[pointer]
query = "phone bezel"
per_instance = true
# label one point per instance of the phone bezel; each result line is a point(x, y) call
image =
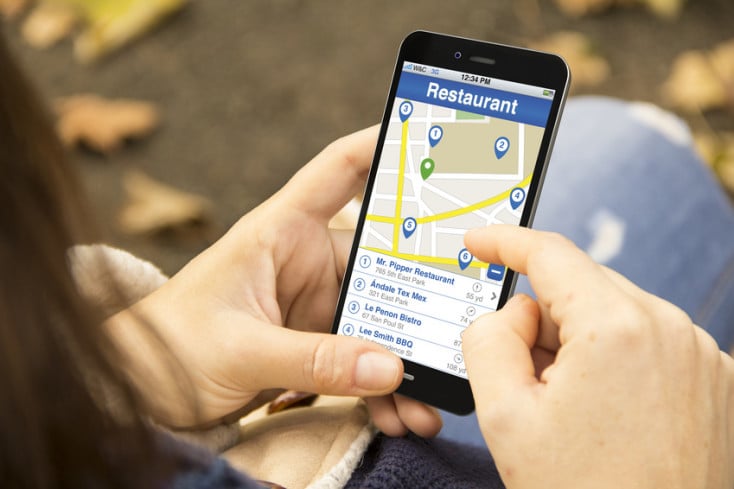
point(508, 63)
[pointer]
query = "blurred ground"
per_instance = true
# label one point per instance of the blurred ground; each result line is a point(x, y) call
point(250, 91)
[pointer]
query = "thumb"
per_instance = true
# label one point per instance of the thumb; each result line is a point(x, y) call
point(497, 350)
point(325, 364)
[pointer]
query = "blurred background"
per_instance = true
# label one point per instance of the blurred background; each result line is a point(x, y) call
point(224, 101)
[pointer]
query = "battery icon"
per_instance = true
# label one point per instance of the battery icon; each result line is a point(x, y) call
point(547, 93)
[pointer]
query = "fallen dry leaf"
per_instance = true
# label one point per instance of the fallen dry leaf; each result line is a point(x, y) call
point(291, 399)
point(153, 206)
point(724, 166)
point(113, 23)
point(725, 172)
point(693, 84)
point(12, 8)
point(587, 67)
point(103, 124)
point(717, 150)
point(708, 147)
point(702, 80)
point(722, 60)
point(47, 24)
point(579, 8)
point(108, 24)
point(669, 9)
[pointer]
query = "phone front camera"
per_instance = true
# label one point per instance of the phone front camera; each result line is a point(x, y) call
point(457, 55)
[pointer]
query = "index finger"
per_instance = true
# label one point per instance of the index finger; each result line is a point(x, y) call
point(334, 176)
point(566, 281)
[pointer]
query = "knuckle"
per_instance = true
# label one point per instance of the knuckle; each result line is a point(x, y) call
point(478, 335)
point(553, 241)
point(497, 418)
point(632, 324)
point(713, 363)
point(675, 327)
point(558, 239)
point(334, 147)
point(727, 366)
point(324, 370)
point(340, 149)
point(547, 248)
point(673, 317)
point(707, 345)
point(473, 332)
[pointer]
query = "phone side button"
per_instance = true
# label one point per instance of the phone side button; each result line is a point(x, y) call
point(408, 376)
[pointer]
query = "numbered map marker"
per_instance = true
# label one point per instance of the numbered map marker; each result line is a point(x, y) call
point(501, 146)
point(465, 258)
point(406, 108)
point(435, 135)
point(409, 226)
point(516, 197)
point(427, 166)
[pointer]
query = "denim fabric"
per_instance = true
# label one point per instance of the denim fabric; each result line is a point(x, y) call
point(625, 185)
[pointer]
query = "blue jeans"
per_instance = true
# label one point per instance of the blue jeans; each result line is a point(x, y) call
point(625, 185)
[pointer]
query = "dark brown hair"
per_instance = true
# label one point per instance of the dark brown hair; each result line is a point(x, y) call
point(56, 433)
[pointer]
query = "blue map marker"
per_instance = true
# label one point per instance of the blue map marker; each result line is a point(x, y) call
point(501, 146)
point(465, 258)
point(406, 108)
point(516, 197)
point(435, 135)
point(409, 226)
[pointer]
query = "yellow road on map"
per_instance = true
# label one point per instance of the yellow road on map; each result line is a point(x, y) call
point(401, 183)
point(397, 219)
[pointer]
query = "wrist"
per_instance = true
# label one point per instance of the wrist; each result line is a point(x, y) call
point(151, 368)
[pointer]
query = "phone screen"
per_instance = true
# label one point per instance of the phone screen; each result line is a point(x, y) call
point(459, 152)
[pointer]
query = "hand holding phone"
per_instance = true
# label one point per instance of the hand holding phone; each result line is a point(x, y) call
point(464, 143)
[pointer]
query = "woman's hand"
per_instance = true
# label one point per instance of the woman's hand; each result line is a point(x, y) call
point(597, 383)
point(254, 310)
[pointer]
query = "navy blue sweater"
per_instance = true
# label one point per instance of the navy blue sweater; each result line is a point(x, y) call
point(408, 462)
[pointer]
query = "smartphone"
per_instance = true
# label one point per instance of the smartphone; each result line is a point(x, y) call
point(464, 143)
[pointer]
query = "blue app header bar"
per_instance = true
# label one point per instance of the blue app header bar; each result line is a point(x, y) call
point(471, 98)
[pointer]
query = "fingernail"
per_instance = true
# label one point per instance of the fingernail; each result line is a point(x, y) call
point(376, 371)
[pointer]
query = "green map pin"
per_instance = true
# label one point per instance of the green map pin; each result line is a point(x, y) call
point(427, 166)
